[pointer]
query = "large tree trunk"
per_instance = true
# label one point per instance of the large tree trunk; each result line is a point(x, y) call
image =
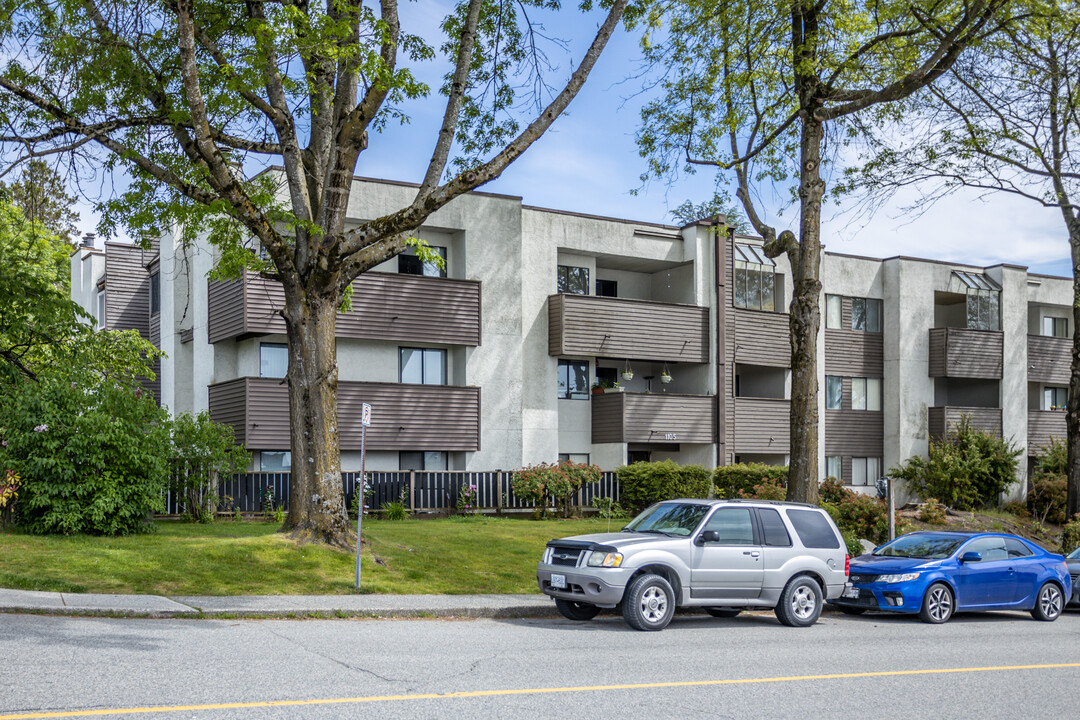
point(805, 321)
point(316, 501)
point(1072, 505)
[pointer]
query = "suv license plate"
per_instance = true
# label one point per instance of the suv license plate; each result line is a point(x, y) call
point(558, 582)
point(851, 592)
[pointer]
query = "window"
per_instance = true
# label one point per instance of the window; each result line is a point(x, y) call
point(273, 360)
point(866, 393)
point(1055, 398)
point(1017, 548)
point(573, 280)
point(275, 461)
point(834, 392)
point(422, 366)
point(834, 467)
point(776, 535)
point(991, 548)
point(101, 309)
point(579, 458)
point(866, 314)
point(834, 312)
point(607, 288)
point(813, 528)
point(607, 377)
point(430, 461)
point(410, 264)
point(155, 294)
point(865, 471)
point(1055, 327)
point(755, 278)
point(573, 380)
point(733, 525)
point(983, 299)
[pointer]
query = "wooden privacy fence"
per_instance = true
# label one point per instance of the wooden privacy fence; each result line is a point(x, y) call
point(421, 491)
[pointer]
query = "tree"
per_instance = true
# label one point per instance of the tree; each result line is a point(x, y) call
point(756, 87)
point(1005, 119)
point(201, 450)
point(177, 91)
point(42, 196)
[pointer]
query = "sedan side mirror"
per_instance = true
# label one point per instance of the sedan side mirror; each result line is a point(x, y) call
point(709, 536)
point(971, 557)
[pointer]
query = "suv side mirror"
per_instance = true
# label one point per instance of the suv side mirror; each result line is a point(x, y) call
point(709, 536)
point(971, 557)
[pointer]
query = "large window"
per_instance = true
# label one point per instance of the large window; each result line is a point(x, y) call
point(573, 380)
point(275, 461)
point(733, 525)
point(410, 264)
point(422, 366)
point(983, 299)
point(865, 471)
point(755, 279)
point(834, 467)
point(1055, 398)
point(866, 393)
point(834, 312)
point(428, 460)
point(866, 314)
point(834, 392)
point(573, 280)
point(1055, 327)
point(273, 360)
point(155, 294)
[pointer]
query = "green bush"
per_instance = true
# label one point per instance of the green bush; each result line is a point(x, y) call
point(1046, 498)
point(767, 489)
point(539, 483)
point(969, 469)
point(92, 459)
point(646, 483)
point(201, 451)
point(858, 515)
point(1070, 538)
point(932, 512)
point(732, 480)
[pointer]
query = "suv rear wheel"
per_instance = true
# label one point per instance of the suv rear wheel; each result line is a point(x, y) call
point(800, 602)
point(649, 603)
point(576, 611)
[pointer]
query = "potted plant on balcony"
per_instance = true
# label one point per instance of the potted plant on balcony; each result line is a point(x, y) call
point(598, 387)
point(665, 376)
point(615, 387)
point(628, 372)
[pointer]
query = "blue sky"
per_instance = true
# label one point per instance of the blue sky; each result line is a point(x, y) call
point(588, 162)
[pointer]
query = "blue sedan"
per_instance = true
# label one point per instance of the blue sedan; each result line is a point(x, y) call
point(936, 573)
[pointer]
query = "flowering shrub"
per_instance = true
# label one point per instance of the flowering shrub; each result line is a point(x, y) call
point(466, 499)
point(546, 484)
point(9, 493)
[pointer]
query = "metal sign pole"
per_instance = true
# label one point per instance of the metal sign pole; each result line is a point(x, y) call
point(364, 422)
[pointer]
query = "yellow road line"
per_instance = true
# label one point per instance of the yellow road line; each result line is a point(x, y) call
point(526, 691)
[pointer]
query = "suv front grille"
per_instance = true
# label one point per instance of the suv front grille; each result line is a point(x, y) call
point(565, 556)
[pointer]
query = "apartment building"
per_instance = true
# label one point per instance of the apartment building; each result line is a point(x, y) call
point(552, 335)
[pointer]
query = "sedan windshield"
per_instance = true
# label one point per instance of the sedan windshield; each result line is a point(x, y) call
point(930, 547)
point(669, 519)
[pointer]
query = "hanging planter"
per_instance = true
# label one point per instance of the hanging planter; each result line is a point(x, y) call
point(665, 376)
point(628, 372)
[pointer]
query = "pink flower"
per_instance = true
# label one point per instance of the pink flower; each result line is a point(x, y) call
point(41, 428)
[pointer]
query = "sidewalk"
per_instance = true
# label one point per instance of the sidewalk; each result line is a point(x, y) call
point(494, 606)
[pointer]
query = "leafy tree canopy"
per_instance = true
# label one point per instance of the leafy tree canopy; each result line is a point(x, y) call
point(43, 198)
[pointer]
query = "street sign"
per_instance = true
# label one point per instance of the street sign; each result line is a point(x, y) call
point(365, 415)
point(361, 482)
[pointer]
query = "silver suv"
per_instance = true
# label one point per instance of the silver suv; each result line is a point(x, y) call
point(724, 556)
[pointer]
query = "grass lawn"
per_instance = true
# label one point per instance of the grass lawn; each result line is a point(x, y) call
point(453, 556)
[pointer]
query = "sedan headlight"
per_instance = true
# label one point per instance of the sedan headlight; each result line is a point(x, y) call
point(905, 577)
point(600, 558)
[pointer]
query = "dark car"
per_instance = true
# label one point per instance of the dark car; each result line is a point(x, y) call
point(936, 573)
point(1073, 560)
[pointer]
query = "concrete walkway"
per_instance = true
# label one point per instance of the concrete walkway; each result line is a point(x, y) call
point(54, 603)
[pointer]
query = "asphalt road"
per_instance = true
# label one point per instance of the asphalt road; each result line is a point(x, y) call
point(749, 666)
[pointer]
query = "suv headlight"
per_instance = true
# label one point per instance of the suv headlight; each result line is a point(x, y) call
point(548, 552)
point(600, 558)
point(905, 577)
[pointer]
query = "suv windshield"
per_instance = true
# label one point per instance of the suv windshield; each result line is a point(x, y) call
point(931, 547)
point(669, 519)
point(1074, 555)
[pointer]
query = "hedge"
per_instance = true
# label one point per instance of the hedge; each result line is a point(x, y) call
point(645, 483)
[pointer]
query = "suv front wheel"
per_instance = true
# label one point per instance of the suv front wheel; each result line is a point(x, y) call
point(800, 602)
point(649, 603)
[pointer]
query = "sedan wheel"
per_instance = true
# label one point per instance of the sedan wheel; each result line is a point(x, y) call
point(937, 606)
point(649, 603)
point(1049, 604)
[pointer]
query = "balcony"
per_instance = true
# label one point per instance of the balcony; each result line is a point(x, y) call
point(385, 306)
point(762, 338)
point(627, 417)
point(1043, 425)
point(1048, 359)
point(591, 326)
point(944, 418)
point(404, 417)
point(963, 353)
point(762, 425)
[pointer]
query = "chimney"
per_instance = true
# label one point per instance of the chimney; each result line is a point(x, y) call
point(88, 240)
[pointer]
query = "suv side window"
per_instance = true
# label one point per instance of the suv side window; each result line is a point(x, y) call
point(776, 534)
point(1017, 548)
point(814, 529)
point(733, 525)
